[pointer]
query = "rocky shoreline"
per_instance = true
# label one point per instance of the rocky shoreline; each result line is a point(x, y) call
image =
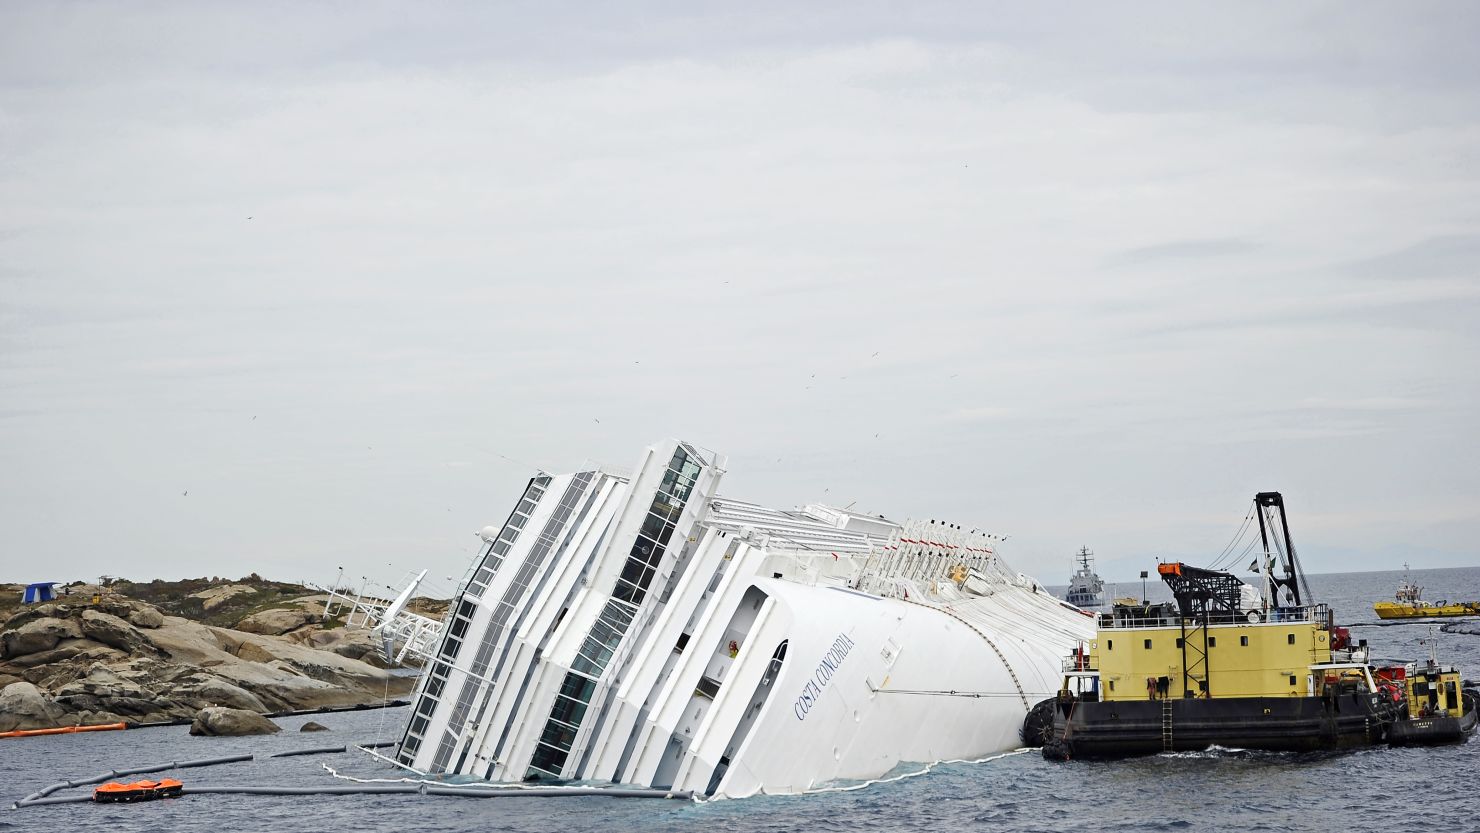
point(101, 657)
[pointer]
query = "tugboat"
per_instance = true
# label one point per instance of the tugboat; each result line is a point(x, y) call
point(1085, 587)
point(1409, 604)
point(1230, 665)
point(1440, 708)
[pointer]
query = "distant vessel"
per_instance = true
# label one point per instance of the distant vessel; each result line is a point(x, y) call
point(1086, 590)
point(1409, 604)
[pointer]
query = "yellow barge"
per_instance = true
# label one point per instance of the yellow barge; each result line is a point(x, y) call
point(1226, 664)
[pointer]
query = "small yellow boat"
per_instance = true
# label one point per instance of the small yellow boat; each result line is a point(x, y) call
point(1410, 604)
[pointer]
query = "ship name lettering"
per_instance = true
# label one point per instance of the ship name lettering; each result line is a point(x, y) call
point(827, 668)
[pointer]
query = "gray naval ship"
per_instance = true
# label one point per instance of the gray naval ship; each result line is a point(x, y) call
point(1086, 590)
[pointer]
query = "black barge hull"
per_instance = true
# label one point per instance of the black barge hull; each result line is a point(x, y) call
point(1124, 728)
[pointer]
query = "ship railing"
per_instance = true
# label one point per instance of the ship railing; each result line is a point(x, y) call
point(1320, 614)
point(1114, 622)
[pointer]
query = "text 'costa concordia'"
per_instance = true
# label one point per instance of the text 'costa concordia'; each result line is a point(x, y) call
point(641, 630)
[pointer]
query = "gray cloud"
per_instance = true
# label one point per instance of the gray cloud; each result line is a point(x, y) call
point(1181, 250)
point(1447, 256)
point(476, 231)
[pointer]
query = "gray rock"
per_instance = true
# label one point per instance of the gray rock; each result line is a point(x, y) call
point(102, 681)
point(214, 691)
point(36, 636)
point(97, 718)
point(146, 616)
point(50, 676)
point(311, 726)
point(214, 597)
point(23, 706)
point(111, 630)
point(277, 621)
point(64, 651)
point(219, 720)
point(148, 710)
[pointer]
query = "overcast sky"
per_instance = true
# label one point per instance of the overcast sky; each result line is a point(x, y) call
point(288, 287)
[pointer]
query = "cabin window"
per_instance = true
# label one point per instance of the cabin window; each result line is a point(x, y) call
point(1292, 679)
point(1179, 642)
point(1112, 685)
point(1243, 641)
point(1109, 644)
point(1148, 644)
point(1212, 642)
point(1290, 639)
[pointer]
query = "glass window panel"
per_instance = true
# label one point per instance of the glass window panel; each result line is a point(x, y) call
point(628, 593)
point(547, 760)
point(632, 570)
point(558, 736)
point(568, 711)
point(652, 526)
point(577, 687)
point(643, 547)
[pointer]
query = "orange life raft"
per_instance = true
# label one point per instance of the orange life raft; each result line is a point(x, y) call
point(114, 792)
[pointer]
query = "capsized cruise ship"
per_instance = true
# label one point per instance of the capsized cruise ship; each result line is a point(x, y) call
point(641, 630)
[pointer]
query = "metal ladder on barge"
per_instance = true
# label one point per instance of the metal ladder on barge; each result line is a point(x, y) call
point(1166, 724)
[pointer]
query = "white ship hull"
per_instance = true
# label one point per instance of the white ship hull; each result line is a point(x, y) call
point(731, 650)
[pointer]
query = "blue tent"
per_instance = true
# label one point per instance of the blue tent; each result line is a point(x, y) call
point(41, 591)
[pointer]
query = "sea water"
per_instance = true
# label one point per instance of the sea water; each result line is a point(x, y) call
point(1374, 788)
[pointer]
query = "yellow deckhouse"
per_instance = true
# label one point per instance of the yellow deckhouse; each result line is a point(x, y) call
point(1153, 652)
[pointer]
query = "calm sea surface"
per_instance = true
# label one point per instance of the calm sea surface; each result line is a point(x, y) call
point(1229, 790)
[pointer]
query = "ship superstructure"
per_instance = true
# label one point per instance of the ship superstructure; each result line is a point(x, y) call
point(637, 629)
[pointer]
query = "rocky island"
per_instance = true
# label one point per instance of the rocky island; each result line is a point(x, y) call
point(160, 652)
